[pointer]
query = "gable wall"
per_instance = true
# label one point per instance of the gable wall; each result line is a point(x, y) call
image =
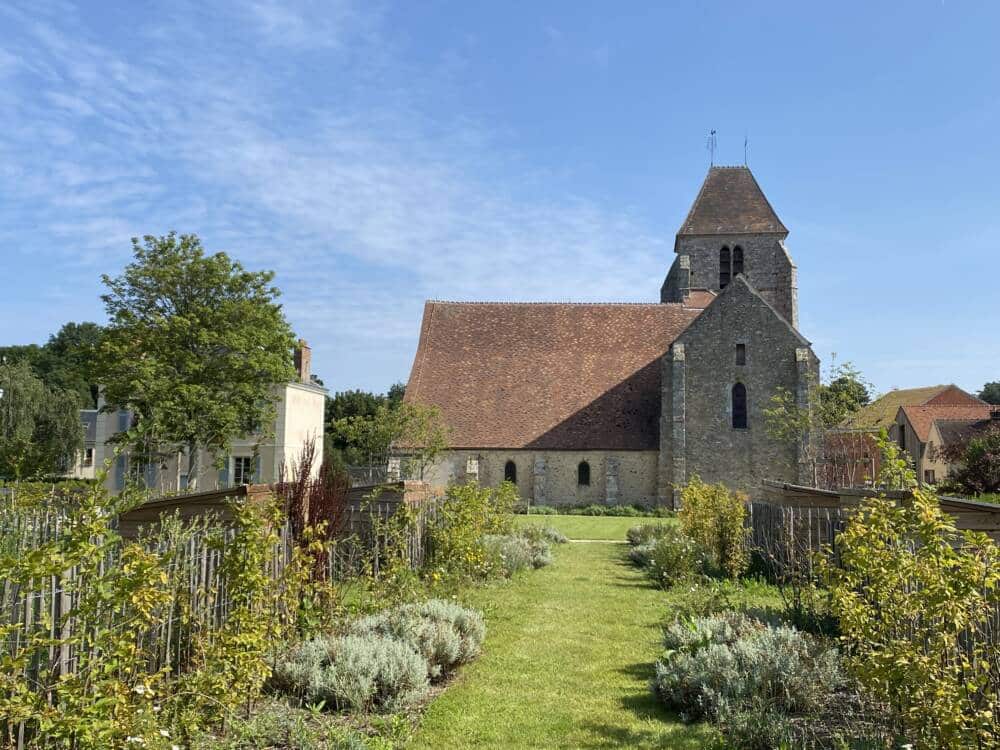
point(696, 429)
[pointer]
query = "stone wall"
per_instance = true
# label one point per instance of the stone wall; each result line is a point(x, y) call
point(766, 265)
point(550, 477)
point(698, 374)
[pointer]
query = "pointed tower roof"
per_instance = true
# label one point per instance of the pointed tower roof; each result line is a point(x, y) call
point(731, 202)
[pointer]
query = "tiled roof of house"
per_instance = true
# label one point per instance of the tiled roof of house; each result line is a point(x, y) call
point(922, 417)
point(546, 375)
point(731, 202)
point(700, 298)
point(955, 431)
point(882, 411)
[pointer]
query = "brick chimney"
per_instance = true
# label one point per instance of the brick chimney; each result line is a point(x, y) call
point(303, 361)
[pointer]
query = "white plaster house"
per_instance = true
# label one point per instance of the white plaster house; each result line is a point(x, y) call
point(254, 459)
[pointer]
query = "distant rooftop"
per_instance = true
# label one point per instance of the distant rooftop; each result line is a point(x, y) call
point(882, 411)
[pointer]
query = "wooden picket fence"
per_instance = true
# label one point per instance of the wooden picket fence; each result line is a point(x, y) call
point(195, 549)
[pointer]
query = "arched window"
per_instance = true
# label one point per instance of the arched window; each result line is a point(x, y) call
point(737, 261)
point(740, 406)
point(724, 268)
point(583, 474)
point(510, 472)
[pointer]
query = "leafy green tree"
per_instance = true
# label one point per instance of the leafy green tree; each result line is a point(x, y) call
point(194, 347)
point(976, 463)
point(64, 362)
point(844, 394)
point(413, 430)
point(337, 445)
point(40, 430)
point(991, 393)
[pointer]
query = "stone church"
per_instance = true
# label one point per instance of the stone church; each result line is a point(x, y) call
point(621, 403)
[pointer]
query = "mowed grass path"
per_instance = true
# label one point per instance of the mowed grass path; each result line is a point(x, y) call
point(611, 528)
point(567, 658)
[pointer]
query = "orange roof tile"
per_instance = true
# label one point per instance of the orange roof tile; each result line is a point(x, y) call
point(922, 417)
point(546, 375)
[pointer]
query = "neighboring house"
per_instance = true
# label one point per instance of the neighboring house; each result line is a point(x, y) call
point(925, 431)
point(253, 459)
point(851, 456)
point(624, 402)
point(84, 464)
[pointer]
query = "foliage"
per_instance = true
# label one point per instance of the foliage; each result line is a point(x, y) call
point(728, 661)
point(413, 429)
point(672, 557)
point(622, 511)
point(195, 346)
point(991, 393)
point(976, 463)
point(827, 405)
point(644, 533)
point(511, 553)
point(63, 363)
point(353, 403)
point(914, 598)
point(467, 513)
point(549, 534)
point(278, 726)
point(897, 472)
point(362, 673)
point(714, 519)
point(443, 633)
point(39, 426)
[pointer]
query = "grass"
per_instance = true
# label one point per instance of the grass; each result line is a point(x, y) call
point(610, 528)
point(568, 656)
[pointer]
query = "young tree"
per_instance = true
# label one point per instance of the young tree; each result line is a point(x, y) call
point(829, 404)
point(39, 427)
point(194, 347)
point(414, 430)
point(991, 393)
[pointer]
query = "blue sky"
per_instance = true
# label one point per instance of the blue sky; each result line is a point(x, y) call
point(376, 155)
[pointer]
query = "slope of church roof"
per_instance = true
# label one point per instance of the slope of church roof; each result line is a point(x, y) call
point(882, 411)
point(731, 202)
point(546, 375)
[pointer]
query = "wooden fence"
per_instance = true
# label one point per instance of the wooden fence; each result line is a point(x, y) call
point(194, 544)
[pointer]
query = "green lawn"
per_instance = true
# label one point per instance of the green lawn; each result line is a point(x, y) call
point(588, 527)
point(567, 657)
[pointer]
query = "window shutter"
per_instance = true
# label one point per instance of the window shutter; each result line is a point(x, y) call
point(151, 475)
point(122, 420)
point(120, 473)
point(224, 474)
point(257, 465)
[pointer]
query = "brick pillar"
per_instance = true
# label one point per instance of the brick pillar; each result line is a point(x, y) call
point(303, 361)
point(611, 474)
point(678, 428)
point(803, 401)
point(539, 480)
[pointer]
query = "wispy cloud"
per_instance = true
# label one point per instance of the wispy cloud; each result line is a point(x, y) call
point(364, 202)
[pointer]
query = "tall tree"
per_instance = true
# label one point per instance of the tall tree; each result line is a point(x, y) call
point(69, 354)
point(991, 393)
point(40, 430)
point(195, 346)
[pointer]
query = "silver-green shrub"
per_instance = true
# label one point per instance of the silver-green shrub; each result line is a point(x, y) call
point(726, 662)
point(514, 552)
point(673, 556)
point(644, 533)
point(548, 534)
point(640, 554)
point(445, 634)
point(362, 673)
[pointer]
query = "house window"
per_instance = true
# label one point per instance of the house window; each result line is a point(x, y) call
point(739, 406)
point(902, 437)
point(583, 474)
point(724, 268)
point(929, 477)
point(510, 472)
point(741, 354)
point(88, 457)
point(737, 261)
point(242, 470)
